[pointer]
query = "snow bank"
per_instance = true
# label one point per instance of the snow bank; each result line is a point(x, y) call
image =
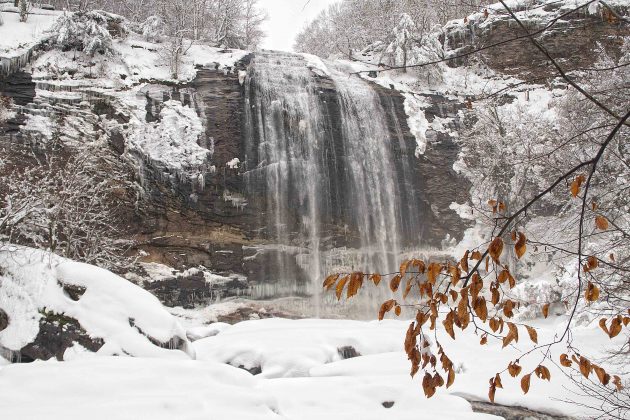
point(17, 37)
point(111, 308)
point(316, 64)
point(131, 389)
point(289, 348)
point(149, 61)
point(364, 398)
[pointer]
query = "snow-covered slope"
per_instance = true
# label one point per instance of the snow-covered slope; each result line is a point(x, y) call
point(39, 290)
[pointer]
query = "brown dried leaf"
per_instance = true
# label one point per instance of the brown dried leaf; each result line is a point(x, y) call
point(386, 307)
point(603, 377)
point(592, 292)
point(497, 381)
point(376, 278)
point(585, 366)
point(543, 373)
point(428, 385)
point(514, 369)
point(454, 295)
point(340, 286)
point(419, 264)
point(521, 245)
point(407, 288)
point(481, 308)
point(565, 361)
point(591, 263)
point(395, 283)
point(512, 334)
point(456, 274)
point(503, 276)
point(448, 324)
point(433, 271)
point(533, 335)
point(330, 281)
point(601, 222)
point(525, 381)
point(494, 324)
point(451, 378)
point(464, 262)
point(617, 382)
point(356, 281)
point(496, 249)
point(397, 310)
point(476, 255)
point(576, 184)
point(615, 327)
point(403, 267)
point(545, 310)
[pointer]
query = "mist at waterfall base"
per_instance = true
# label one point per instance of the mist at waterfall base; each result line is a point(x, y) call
point(336, 182)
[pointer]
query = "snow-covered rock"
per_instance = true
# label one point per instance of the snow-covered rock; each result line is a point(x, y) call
point(45, 295)
point(290, 348)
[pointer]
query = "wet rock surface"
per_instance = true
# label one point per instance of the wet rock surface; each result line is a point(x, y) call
point(512, 413)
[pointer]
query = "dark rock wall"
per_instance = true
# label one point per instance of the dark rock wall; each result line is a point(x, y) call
point(572, 41)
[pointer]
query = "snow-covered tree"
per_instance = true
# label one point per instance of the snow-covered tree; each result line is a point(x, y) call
point(25, 8)
point(403, 38)
point(87, 32)
point(153, 29)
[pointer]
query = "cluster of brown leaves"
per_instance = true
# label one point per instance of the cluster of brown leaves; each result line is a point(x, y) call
point(610, 17)
point(457, 294)
point(586, 367)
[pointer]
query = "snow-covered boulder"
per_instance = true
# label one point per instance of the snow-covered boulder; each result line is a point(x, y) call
point(53, 304)
point(281, 348)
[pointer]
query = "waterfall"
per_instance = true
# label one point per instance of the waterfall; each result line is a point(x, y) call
point(335, 181)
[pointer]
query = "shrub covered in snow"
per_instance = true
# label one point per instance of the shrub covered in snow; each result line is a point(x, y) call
point(153, 29)
point(90, 32)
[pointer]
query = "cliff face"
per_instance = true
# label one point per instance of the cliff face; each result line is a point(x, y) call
point(571, 35)
point(229, 227)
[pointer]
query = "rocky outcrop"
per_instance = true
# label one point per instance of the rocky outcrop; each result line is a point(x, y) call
point(573, 40)
point(57, 333)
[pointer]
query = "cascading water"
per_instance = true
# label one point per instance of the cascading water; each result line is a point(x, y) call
point(335, 180)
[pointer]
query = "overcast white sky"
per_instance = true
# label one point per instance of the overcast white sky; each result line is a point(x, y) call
point(287, 18)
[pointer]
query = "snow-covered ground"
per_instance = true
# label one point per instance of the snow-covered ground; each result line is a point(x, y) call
point(304, 376)
point(17, 36)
